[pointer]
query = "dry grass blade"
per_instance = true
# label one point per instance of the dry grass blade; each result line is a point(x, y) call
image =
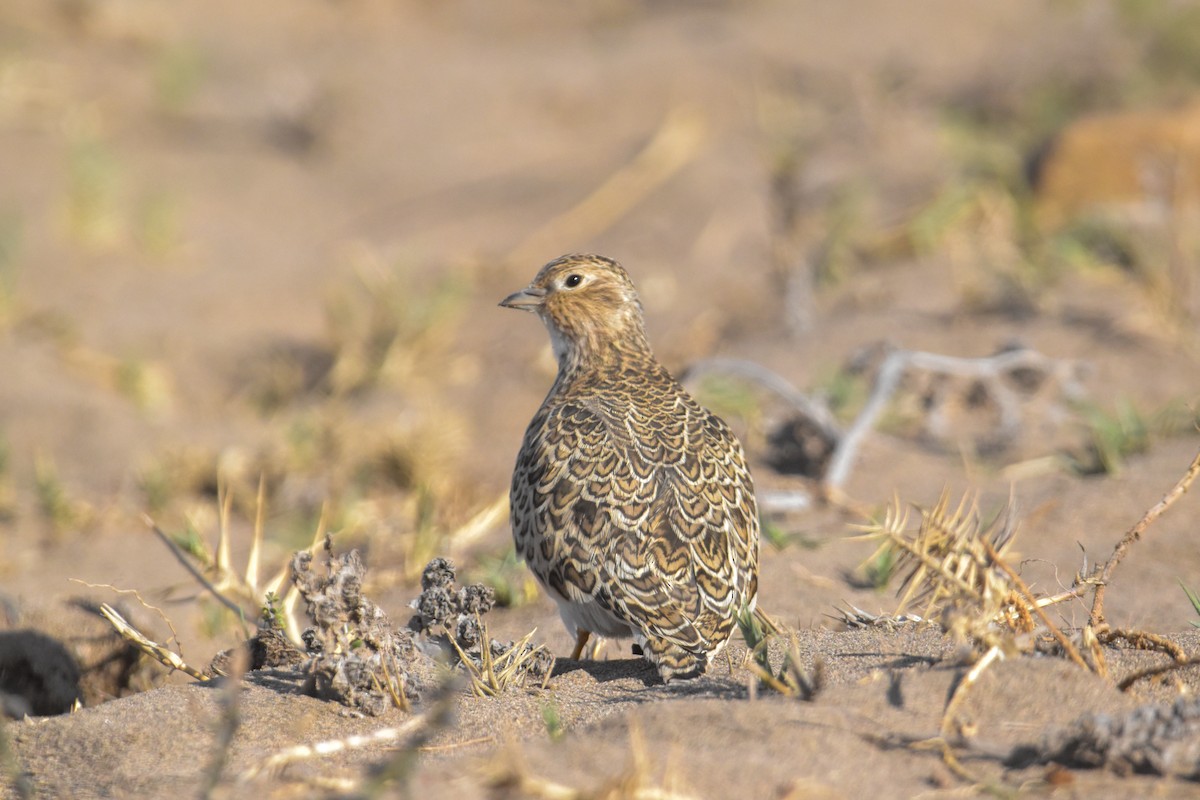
point(225, 507)
point(509, 776)
point(770, 680)
point(677, 141)
point(480, 675)
point(164, 656)
point(260, 510)
point(757, 657)
point(769, 624)
point(758, 631)
point(508, 664)
point(284, 574)
point(484, 520)
point(393, 683)
point(495, 673)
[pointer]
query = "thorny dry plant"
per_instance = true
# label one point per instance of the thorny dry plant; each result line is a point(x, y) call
point(959, 569)
point(950, 568)
point(951, 565)
point(242, 594)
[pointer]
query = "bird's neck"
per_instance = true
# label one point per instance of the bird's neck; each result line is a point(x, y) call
point(619, 354)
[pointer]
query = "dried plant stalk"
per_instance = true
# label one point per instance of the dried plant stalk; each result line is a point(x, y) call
point(1104, 573)
point(167, 658)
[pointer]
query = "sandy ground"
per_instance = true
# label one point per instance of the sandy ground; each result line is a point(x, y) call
point(205, 206)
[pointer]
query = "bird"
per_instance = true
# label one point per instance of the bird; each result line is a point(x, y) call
point(631, 503)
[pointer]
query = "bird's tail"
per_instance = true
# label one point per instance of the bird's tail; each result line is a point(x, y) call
point(674, 661)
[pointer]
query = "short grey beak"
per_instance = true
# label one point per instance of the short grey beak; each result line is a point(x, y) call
point(528, 299)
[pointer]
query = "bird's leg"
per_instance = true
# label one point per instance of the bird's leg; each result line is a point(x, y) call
point(581, 637)
point(596, 647)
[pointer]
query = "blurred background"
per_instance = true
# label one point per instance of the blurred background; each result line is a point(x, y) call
point(244, 241)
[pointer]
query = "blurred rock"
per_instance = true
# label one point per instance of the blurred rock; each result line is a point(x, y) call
point(1142, 163)
point(38, 675)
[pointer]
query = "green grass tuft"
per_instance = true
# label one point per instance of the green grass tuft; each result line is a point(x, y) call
point(1194, 599)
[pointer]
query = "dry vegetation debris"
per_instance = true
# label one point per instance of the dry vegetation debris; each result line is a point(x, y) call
point(1152, 739)
point(356, 656)
point(452, 620)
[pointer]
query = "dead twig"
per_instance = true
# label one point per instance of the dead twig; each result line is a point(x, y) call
point(1104, 573)
point(305, 752)
point(195, 572)
point(1033, 605)
point(441, 748)
point(994, 653)
point(1143, 640)
point(987, 368)
point(950, 715)
point(137, 595)
point(399, 768)
point(1149, 672)
point(846, 442)
point(811, 410)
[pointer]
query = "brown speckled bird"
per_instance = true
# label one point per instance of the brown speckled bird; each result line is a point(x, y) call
point(631, 502)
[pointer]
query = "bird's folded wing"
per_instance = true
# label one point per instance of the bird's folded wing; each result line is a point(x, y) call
point(661, 544)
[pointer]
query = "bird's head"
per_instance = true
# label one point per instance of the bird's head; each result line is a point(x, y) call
point(589, 305)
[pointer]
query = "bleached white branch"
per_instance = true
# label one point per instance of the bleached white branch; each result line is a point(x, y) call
point(991, 369)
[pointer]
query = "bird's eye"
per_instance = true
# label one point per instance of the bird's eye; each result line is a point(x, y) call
point(572, 281)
